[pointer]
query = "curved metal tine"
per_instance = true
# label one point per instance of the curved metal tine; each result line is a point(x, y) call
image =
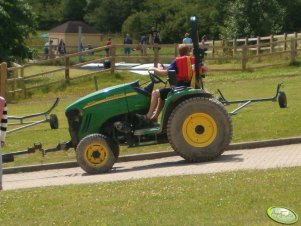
point(37, 114)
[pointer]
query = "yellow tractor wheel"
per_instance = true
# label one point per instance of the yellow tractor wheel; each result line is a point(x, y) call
point(95, 154)
point(199, 129)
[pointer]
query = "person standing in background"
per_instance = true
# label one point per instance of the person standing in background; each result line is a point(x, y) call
point(108, 44)
point(143, 43)
point(61, 47)
point(3, 126)
point(46, 50)
point(205, 44)
point(157, 39)
point(187, 39)
point(151, 38)
point(51, 52)
point(128, 42)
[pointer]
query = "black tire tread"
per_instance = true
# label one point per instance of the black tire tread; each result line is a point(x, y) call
point(53, 121)
point(282, 100)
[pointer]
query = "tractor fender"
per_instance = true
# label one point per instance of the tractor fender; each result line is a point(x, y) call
point(176, 98)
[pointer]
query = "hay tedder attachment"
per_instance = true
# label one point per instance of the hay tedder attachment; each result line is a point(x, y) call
point(280, 96)
point(9, 157)
point(22, 120)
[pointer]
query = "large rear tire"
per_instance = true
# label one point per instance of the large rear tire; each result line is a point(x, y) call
point(95, 154)
point(199, 129)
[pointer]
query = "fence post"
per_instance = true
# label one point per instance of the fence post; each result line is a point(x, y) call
point(234, 46)
point(258, 46)
point(296, 37)
point(67, 68)
point(271, 43)
point(113, 58)
point(293, 51)
point(14, 85)
point(23, 82)
point(244, 58)
point(223, 46)
point(285, 40)
point(3, 74)
point(213, 51)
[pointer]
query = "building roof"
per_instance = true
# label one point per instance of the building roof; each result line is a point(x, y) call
point(72, 27)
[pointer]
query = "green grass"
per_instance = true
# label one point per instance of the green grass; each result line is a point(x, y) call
point(233, 198)
point(259, 121)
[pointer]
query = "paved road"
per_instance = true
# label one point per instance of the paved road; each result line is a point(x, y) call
point(259, 158)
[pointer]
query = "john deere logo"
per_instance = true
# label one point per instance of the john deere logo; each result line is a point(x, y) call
point(282, 215)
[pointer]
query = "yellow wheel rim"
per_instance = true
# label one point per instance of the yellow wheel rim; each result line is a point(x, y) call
point(96, 154)
point(199, 129)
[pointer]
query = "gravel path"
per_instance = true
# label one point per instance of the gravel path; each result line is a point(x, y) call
point(259, 158)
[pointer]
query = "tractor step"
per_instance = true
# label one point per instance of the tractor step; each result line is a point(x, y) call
point(147, 131)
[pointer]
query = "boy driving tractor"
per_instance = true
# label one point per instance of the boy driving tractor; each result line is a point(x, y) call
point(182, 68)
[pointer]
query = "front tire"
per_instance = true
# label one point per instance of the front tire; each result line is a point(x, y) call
point(199, 129)
point(95, 154)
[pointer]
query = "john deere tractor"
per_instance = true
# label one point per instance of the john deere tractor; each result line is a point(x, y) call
point(193, 121)
point(196, 125)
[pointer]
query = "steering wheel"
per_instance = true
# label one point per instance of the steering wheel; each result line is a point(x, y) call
point(155, 78)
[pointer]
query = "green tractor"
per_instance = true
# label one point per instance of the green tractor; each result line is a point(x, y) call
point(197, 125)
point(194, 122)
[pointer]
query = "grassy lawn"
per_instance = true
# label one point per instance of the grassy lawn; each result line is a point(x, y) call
point(259, 121)
point(233, 198)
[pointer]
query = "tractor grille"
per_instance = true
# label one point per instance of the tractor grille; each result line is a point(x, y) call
point(74, 122)
point(87, 121)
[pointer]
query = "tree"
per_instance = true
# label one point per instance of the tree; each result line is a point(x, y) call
point(73, 10)
point(136, 24)
point(108, 15)
point(292, 20)
point(253, 18)
point(48, 12)
point(171, 18)
point(17, 22)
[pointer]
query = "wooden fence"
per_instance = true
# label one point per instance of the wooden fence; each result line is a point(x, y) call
point(18, 79)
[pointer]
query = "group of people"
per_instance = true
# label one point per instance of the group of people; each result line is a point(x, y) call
point(152, 39)
point(50, 50)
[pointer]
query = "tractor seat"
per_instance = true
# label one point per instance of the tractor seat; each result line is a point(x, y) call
point(179, 88)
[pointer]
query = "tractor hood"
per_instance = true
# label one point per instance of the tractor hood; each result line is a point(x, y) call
point(91, 113)
point(102, 96)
